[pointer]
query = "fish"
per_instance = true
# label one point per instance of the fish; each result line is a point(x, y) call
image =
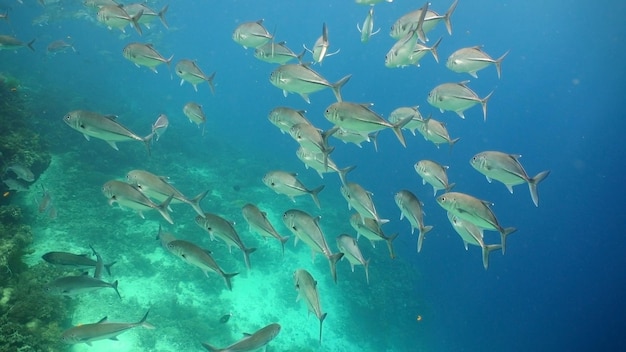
point(456, 97)
point(79, 261)
point(400, 54)
point(473, 59)
point(435, 174)
point(15, 185)
point(115, 16)
point(189, 71)
point(194, 113)
point(250, 342)
point(410, 21)
point(476, 211)
point(307, 228)
point(104, 127)
point(8, 42)
point(436, 132)
point(45, 202)
point(159, 188)
point(21, 171)
point(5, 16)
point(370, 2)
point(165, 237)
point(301, 79)
point(251, 34)
point(160, 125)
point(315, 161)
point(307, 289)
point(258, 222)
point(99, 3)
point(350, 248)
point(412, 208)
point(420, 50)
point(75, 285)
point(367, 30)
point(287, 183)
point(472, 234)
point(371, 230)
point(284, 118)
point(359, 117)
point(129, 196)
point(356, 138)
point(404, 112)
point(148, 15)
point(361, 200)
point(103, 329)
point(320, 48)
point(145, 55)
point(276, 53)
point(200, 258)
point(312, 139)
point(507, 169)
point(59, 46)
point(219, 227)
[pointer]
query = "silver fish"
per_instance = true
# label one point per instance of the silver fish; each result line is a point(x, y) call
point(410, 21)
point(219, 227)
point(320, 48)
point(288, 184)
point(188, 71)
point(59, 46)
point(258, 222)
point(194, 113)
point(307, 289)
point(313, 139)
point(473, 59)
point(371, 230)
point(87, 333)
point(200, 258)
point(276, 53)
point(250, 342)
point(412, 208)
point(74, 285)
point(435, 174)
point(472, 234)
point(315, 161)
point(356, 137)
point(476, 211)
point(80, 261)
point(251, 34)
point(436, 132)
point(284, 118)
point(361, 200)
point(367, 31)
point(114, 16)
point(402, 113)
point(104, 127)
point(22, 172)
point(148, 14)
point(400, 54)
point(15, 185)
point(507, 169)
point(456, 97)
point(301, 79)
point(129, 196)
point(160, 125)
point(8, 42)
point(350, 248)
point(145, 55)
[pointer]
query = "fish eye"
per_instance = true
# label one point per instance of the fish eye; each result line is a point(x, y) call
point(440, 98)
point(67, 117)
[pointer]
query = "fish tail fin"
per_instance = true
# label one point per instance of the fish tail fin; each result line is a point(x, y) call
point(107, 267)
point(195, 202)
point(283, 240)
point(367, 271)
point(162, 16)
point(314, 194)
point(211, 84)
point(423, 230)
point(390, 239)
point(332, 260)
point(452, 142)
point(486, 251)
point(397, 129)
point(532, 185)
point(30, 44)
point(227, 277)
point(448, 188)
point(210, 348)
point(321, 322)
point(433, 50)
point(336, 87)
point(420, 24)
point(246, 255)
point(147, 141)
point(448, 14)
point(134, 22)
point(374, 138)
point(162, 208)
point(143, 323)
point(114, 286)
point(483, 102)
point(498, 63)
point(343, 172)
point(504, 233)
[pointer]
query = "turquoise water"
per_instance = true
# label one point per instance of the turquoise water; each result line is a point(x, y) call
point(555, 289)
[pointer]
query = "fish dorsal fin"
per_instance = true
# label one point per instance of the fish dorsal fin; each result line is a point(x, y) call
point(111, 117)
point(464, 83)
point(246, 334)
point(515, 156)
point(206, 251)
point(260, 21)
point(103, 320)
point(486, 202)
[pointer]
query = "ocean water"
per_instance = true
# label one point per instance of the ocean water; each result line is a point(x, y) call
point(560, 286)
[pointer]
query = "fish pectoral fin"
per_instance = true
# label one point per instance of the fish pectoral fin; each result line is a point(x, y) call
point(112, 144)
point(246, 334)
point(86, 136)
point(114, 338)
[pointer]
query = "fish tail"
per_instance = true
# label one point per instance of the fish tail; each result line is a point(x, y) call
point(314, 194)
point(321, 322)
point(336, 87)
point(449, 187)
point(246, 256)
point(108, 267)
point(283, 240)
point(532, 185)
point(210, 81)
point(210, 348)
point(498, 63)
point(114, 286)
point(134, 21)
point(30, 44)
point(433, 50)
point(423, 230)
point(195, 202)
point(397, 129)
point(504, 233)
point(420, 24)
point(162, 208)
point(486, 251)
point(147, 141)
point(448, 14)
point(366, 265)
point(143, 323)
point(332, 260)
point(343, 172)
point(227, 277)
point(392, 253)
point(162, 16)
point(483, 102)
point(374, 138)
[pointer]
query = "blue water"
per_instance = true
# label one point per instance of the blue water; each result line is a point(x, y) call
point(560, 285)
